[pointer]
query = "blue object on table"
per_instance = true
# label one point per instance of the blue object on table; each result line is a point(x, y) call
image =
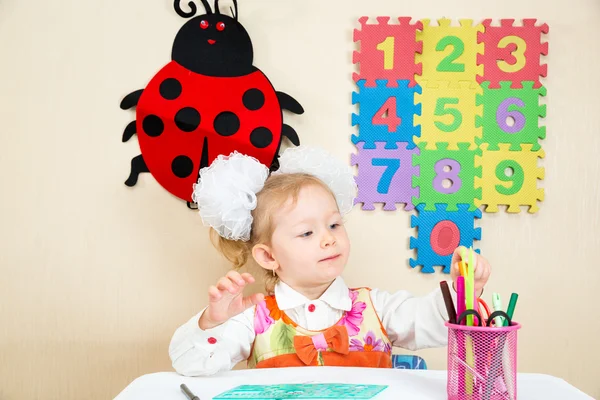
point(405, 361)
point(302, 391)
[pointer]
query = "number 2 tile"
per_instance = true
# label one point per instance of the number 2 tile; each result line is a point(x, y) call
point(450, 53)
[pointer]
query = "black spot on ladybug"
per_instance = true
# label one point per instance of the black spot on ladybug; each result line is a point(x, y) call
point(253, 99)
point(182, 166)
point(187, 119)
point(170, 89)
point(261, 137)
point(153, 125)
point(226, 123)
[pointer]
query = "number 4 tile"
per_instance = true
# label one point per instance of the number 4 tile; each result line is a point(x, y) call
point(374, 103)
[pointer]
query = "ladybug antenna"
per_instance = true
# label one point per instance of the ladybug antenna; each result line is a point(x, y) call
point(236, 10)
point(193, 8)
point(207, 6)
point(233, 14)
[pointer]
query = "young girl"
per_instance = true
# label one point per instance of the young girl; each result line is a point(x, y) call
point(291, 224)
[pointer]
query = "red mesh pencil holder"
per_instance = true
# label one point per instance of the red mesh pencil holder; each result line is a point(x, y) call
point(482, 360)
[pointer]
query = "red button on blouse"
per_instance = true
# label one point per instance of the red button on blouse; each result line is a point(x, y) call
point(311, 308)
point(212, 340)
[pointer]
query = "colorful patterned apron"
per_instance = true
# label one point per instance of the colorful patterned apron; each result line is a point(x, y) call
point(358, 339)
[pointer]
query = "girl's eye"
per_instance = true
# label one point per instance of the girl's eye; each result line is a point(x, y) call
point(204, 24)
point(220, 26)
point(333, 226)
point(306, 234)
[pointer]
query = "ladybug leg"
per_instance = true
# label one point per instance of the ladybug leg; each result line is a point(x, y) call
point(291, 134)
point(138, 165)
point(274, 164)
point(131, 99)
point(287, 102)
point(129, 131)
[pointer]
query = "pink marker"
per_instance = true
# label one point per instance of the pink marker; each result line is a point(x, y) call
point(460, 298)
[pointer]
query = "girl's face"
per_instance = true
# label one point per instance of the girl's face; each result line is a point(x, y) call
point(309, 245)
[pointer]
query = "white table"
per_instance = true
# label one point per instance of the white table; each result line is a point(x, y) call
point(402, 384)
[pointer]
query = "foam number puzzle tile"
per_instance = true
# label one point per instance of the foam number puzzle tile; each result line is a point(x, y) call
point(511, 115)
point(385, 176)
point(512, 53)
point(446, 177)
point(510, 178)
point(386, 114)
point(449, 53)
point(303, 391)
point(387, 51)
point(439, 233)
point(448, 114)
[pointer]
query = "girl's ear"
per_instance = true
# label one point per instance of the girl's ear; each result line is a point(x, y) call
point(263, 255)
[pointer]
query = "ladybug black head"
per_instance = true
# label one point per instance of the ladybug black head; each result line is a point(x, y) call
point(213, 44)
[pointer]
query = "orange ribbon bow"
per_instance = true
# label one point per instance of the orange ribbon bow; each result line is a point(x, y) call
point(334, 338)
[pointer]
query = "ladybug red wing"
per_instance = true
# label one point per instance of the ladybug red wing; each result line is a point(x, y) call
point(182, 114)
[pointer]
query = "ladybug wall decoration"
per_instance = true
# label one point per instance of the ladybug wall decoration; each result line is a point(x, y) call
point(209, 100)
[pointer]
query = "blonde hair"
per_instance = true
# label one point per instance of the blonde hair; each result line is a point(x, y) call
point(274, 194)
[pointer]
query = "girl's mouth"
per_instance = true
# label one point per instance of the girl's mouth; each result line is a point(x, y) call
point(330, 258)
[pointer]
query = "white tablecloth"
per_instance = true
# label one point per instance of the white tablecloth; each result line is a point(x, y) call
point(402, 384)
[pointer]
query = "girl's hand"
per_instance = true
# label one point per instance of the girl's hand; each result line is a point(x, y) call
point(482, 269)
point(225, 300)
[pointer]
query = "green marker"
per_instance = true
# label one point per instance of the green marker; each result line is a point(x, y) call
point(511, 307)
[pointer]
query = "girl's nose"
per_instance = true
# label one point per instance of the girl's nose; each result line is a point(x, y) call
point(328, 240)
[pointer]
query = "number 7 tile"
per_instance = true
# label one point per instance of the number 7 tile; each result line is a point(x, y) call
point(385, 176)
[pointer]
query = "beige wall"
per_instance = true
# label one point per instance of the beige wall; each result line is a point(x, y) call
point(95, 277)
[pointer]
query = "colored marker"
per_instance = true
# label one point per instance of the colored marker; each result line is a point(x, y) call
point(511, 307)
point(448, 301)
point(497, 301)
point(460, 295)
point(469, 287)
point(188, 393)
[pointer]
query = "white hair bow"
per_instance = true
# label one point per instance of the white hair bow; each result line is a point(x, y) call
point(226, 190)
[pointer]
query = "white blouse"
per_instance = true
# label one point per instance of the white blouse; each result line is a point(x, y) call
point(411, 322)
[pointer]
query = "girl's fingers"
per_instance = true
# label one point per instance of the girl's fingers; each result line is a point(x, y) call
point(225, 284)
point(248, 277)
point(479, 270)
point(252, 300)
point(235, 277)
point(457, 255)
point(214, 294)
